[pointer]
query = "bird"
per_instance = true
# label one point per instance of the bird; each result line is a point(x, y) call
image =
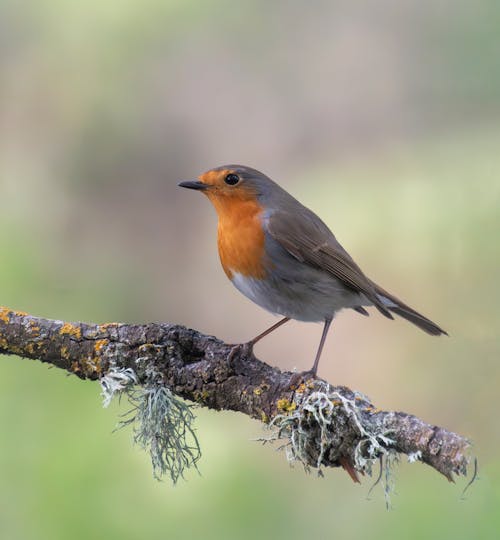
point(283, 257)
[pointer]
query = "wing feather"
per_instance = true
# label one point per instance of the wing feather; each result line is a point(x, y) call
point(311, 242)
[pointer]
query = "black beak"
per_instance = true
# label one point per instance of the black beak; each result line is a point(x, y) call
point(193, 184)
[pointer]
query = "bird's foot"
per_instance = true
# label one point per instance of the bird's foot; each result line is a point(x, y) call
point(301, 377)
point(242, 349)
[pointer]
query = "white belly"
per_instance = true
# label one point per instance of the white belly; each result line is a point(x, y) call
point(316, 297)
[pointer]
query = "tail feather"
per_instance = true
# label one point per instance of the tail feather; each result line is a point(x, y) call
point(398, 307)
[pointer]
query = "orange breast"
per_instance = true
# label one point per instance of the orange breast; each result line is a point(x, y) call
point(240, 236)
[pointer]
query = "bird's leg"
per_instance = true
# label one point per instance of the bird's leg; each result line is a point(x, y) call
point(247, 348)
point(298, 378)
point(314, 369)
point(253, 341)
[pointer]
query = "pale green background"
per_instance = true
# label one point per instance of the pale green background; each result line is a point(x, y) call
point(381, 116)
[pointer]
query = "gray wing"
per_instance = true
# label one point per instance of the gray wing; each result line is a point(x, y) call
point(311, 242)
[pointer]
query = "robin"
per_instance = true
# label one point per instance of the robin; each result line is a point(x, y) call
point(282, 256)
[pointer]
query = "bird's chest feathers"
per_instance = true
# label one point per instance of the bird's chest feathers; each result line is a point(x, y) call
point(241, 238)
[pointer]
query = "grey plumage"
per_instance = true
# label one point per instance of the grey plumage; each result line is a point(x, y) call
point(292, 263)
point(327, 280)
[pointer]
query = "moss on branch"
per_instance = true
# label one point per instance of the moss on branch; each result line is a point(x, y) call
point(321, 425)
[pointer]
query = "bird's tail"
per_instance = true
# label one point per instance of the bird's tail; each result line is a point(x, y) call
point(395, 305)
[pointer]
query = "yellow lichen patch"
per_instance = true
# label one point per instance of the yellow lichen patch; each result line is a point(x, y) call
point(336, 402)
point(5, 314)
point(370, 409)
point(21, 313)
point(91, 366)
point(285, 405)
point(151, 348)
point(263, 387)
point(99, 345)
point(30, 348)
point(35, 329)
point(107, 326)
point(303, 386)
point(201, 396)
point(13, 349)
point(88, 366)
point(68, 329)
point(65, 353)
point(264, 418)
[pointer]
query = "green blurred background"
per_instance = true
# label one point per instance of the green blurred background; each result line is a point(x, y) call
point(382, 116)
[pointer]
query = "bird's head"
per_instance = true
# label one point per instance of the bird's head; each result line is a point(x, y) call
point(230, 184)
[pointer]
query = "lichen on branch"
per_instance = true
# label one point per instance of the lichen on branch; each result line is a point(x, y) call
point(156, 364)
point(163, 424)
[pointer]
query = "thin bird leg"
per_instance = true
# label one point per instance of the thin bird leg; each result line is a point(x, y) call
point(328, 322)
point(247, 348)
point(253, 341)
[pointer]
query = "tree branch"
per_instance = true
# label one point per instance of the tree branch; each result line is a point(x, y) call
point(324, 425)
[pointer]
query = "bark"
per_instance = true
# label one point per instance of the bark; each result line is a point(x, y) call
point(205, 370)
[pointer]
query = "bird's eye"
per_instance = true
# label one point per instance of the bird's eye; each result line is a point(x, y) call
point(232, 179)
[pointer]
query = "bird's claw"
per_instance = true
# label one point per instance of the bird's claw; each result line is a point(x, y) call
point(242, 349)
point(301, 377)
